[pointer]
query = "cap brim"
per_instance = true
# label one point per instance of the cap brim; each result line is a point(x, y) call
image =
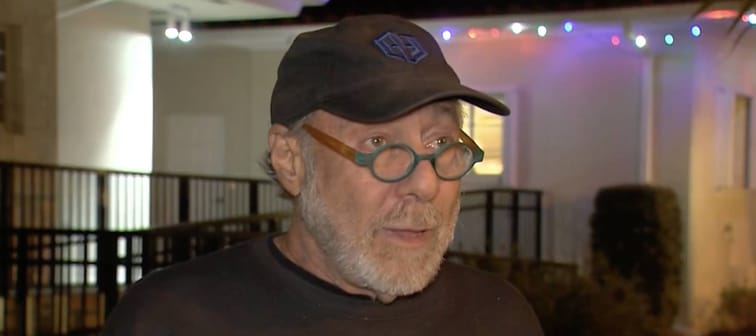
point(375, 103)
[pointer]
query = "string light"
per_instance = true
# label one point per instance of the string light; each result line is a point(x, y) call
point(615, 40)
point(541, 31)
point(446, 35)
point(640, 41)
point(752, 18)
point(568, 26)
point(669, 39)
point(695, 30)
point(517, 28)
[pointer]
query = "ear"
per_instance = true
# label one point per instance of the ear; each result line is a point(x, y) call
point(286, 158)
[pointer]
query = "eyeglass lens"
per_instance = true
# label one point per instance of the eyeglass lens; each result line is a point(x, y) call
point(395, 162)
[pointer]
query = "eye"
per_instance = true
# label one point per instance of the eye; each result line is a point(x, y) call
point(440, 141)
point(376, 141)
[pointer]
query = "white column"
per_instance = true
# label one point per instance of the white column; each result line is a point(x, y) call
point(647, 116)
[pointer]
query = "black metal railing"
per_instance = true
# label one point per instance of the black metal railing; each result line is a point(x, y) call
point(72, 239)
point(46, 196)
point(511, 219)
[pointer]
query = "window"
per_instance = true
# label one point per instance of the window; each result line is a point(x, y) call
point(733, 141)
point(741, 142)
point(488, 131)
point(496, 135)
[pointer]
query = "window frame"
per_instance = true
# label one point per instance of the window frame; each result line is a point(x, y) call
point(734, 165)
point(509, 177)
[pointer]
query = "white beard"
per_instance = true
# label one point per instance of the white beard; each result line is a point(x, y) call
point(383, 268)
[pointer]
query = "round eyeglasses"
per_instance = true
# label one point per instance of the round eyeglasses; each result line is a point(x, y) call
point(394, 162)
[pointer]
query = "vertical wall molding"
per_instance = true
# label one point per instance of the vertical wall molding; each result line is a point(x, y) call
point(647, 118)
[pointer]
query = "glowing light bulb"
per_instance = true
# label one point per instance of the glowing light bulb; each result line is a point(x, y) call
point(640, 41)
point(568, 26)
point(669, 39)
point(472, 34)
point(752, 18)
point(185, 36)
point(615, 40)
point(446, 35)
point(171, 32)
point(541, 31)
point(695, 30)
point(517, 27)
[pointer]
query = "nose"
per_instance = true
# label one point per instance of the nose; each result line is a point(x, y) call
point(422, 183)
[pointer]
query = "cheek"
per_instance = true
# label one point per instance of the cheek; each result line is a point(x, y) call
point(448, 197)
point(350, 191)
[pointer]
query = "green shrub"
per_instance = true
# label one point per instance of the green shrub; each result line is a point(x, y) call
point(568, 304)
point(736, 314)
point(636, 233)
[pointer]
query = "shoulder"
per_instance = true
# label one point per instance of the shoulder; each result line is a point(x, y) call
point(201, 271)
point(157, 298)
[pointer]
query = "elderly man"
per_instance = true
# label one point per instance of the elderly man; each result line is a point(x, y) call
point(366, 139)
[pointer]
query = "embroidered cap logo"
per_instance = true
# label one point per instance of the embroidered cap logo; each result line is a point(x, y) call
point(401, 46)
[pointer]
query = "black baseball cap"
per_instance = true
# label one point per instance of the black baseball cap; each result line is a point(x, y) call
point(370, 68)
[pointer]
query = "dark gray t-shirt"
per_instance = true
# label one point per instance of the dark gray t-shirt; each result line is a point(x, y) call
point(252, 289)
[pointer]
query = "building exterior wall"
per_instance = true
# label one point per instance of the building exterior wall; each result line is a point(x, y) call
point(227, 85)
point(28, 131)
point(105, 88)
point(722, 227)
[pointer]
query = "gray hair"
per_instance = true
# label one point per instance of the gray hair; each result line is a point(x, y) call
point(296, 130)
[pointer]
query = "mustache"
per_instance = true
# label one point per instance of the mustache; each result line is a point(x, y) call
point(424, 216)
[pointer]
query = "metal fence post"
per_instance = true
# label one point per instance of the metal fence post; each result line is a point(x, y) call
point(538, 219)
point(254, 196)
point(21, 282)
point(180, 242)
point(6, 210)
point(515, 236)
point(107, 254)
point(183, 199)
point(489, 222)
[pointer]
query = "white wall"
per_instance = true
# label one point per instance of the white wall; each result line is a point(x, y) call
point(722, 232)
point(105, 88)
point(671, 150)
point(230, 86)
point(578, 122)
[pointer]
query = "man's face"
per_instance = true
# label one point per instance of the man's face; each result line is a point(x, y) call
point(386, 237)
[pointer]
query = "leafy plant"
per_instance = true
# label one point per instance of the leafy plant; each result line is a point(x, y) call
point(736, 314)
point(570, 304)
point(636, 234)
